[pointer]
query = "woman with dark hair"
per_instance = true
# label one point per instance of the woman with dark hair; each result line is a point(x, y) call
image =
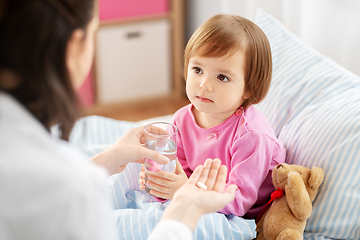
point(47, 191)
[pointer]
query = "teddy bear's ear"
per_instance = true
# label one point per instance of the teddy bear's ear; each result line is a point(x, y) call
point(316, 177)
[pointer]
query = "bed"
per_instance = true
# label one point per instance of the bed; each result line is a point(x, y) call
point(314, 107)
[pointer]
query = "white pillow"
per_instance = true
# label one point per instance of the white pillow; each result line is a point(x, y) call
point(314, 107)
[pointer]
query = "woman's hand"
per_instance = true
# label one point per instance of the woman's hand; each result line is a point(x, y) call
point(163, 184)
point(190, 201)
point(128, 149)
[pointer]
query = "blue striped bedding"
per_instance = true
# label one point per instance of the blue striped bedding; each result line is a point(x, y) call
point(314, 107)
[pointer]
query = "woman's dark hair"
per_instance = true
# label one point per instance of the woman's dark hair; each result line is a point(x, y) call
point(33, 40)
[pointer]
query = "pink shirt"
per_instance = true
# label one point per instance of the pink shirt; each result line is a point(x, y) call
point(245, 143)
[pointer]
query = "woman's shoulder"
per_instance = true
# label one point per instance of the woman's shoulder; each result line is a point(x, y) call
point(33, 154)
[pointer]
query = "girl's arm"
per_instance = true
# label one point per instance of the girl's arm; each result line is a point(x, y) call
point(252, 160)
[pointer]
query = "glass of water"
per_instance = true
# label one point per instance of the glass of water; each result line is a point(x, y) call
point(160, 136)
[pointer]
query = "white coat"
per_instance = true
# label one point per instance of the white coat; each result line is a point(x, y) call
point(49, 191)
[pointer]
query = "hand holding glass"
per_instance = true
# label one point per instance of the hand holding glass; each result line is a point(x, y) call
point(160, 137)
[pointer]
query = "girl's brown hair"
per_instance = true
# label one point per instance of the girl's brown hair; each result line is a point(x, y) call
point(223, 35)
point(34, 36)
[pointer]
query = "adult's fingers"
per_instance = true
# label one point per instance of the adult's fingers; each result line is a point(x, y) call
point(194, 178)
point(226, 197)
point(142, 160)
point(152, 129)
point(221, 179)
point(232, 189)
point(205, 173)
point(153, 155)
point(145, 135)
point(230, 192)
point(213, 173)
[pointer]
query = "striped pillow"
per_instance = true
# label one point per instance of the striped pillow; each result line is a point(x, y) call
point(314, 107)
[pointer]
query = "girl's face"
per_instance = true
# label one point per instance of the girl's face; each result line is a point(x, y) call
point(80, 52)
point(216, 86)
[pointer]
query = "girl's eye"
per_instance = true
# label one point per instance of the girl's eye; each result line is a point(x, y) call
point(197, 70)
point(223, 78)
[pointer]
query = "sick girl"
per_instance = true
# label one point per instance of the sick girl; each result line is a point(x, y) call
point(228, 69)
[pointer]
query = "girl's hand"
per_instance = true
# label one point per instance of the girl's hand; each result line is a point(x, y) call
point(163, 184)
point(142, 177)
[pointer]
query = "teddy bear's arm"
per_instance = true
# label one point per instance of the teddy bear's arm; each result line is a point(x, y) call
point(297, 197)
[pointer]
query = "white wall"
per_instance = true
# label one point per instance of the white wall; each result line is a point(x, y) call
point(198, 11)
point(332, 27)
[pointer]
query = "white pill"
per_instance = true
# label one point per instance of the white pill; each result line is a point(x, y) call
point(201, 185)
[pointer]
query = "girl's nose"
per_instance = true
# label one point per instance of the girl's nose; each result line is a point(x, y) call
point(206, 85)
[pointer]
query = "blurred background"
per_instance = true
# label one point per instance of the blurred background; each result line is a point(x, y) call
point(138, 67)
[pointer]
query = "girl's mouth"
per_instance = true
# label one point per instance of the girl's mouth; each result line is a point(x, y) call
point(205, 100)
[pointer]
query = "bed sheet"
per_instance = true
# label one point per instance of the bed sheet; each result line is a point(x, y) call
point(137, 213)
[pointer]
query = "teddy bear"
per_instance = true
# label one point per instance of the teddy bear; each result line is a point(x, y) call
point(291, 204)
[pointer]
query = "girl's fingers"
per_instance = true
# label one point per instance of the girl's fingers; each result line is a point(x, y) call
point(179, 169)
point(141, 181)
point(142, 175)
point(157, 187)
point(142, 184)
point(161, 179)
point(159, 194)
point(163, 174)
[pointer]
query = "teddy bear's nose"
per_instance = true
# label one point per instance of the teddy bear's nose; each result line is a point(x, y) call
point(279, 166)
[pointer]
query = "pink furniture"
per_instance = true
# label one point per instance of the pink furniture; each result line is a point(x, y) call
point(118, 10)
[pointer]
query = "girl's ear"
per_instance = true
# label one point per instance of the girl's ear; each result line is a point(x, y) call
point(246, 95)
